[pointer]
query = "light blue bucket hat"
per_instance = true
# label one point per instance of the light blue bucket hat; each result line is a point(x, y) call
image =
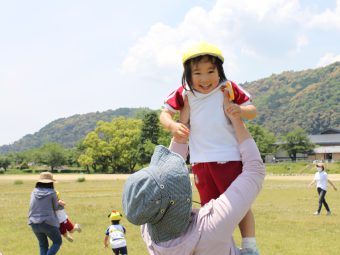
point(160, 196)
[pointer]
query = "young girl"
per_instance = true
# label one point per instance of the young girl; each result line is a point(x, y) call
point(214, 151)
point(116, 234)
point(65, 225)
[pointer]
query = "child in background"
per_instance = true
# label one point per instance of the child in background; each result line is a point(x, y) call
point(214, 151)
point(65, 225)
point(116, 234)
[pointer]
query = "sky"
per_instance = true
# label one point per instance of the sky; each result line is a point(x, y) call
point(61, 58)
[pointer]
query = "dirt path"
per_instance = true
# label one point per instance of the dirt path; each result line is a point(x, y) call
point(105, 177)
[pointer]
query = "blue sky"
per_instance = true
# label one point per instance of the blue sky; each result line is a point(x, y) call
point(60, 58)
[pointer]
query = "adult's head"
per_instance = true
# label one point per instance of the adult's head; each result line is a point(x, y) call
point(320, 167)
point(45, 180)
point(160, 196)
point(201, 52)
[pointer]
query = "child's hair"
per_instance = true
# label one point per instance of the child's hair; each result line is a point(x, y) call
point(187, 72)
point(44, 185)
point(115, 222)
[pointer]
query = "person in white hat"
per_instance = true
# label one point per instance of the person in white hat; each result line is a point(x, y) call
point(42, 217)
point(159, 198)
point(214, 151)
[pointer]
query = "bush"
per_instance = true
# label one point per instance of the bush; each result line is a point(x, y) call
point(23, 165)
point(81, 179)
point(18, 182)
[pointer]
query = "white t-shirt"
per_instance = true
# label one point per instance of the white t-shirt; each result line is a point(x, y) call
point(212, 137)
point(61, 214)
point(116, 233)
point(321, 179)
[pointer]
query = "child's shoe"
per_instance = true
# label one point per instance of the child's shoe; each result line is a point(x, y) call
point(77, 227)
point(68, 237)
point(248, 251)
point(329, 213)
point(316, 213)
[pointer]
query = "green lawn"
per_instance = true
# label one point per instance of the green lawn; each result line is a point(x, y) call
point(283, 212)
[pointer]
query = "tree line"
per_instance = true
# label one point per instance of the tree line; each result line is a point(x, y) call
point(126, 144)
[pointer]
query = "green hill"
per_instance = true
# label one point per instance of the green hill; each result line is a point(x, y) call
point(68, 131)
point(308, 99)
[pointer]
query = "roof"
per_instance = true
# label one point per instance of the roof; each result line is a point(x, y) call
point(331, 131)
point(325, 139)
point(327, 149)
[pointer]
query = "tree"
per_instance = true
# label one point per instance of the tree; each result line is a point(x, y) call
point(149, 136)
point(264, 139)
point(52, 154)
point(4, 162)
point(113, 144)
point(295, 142)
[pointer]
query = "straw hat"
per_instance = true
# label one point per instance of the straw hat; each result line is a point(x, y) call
point(46, 177)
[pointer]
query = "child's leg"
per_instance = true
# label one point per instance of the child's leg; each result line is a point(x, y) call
point(247, 225)
point(204, 183)
point(68, 237)
point(247, 229)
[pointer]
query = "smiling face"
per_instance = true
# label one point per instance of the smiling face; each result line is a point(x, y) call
point(204, 76)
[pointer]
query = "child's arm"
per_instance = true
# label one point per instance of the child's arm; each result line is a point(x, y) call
point(248, 111)
point(106, 243)
point(178, 130)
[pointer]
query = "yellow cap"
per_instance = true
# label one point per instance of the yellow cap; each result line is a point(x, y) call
point(115, 215)
point(202, 48)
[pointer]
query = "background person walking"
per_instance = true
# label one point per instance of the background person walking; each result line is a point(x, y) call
point(321, 180)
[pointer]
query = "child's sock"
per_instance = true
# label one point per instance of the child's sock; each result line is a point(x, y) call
point(249, 243)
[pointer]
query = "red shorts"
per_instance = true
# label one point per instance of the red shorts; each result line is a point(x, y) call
point(65, 226)
point(212, 178)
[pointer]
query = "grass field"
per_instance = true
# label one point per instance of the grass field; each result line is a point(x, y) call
point(283, 213)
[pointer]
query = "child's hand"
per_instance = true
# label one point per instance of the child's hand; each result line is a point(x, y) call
point(180, 131)
point(234, 110)
point(61, 202)
point(231, 110)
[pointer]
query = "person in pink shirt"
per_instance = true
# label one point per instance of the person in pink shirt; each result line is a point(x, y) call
point(159, 198)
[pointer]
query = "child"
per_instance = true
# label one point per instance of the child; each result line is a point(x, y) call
point(65, 225)
point(214, 151)
point(116, 233)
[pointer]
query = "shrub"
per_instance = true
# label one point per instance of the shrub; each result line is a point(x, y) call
point(81, 179)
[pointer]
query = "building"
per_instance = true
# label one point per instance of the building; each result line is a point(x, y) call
point(327, 145)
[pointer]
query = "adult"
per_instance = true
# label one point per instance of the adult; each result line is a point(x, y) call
point(159, 198)
point(42, 217)
point(321, 180)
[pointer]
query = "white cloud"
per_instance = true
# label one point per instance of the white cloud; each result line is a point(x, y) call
point(327, 59)
point(328, 19)
point(227, 25)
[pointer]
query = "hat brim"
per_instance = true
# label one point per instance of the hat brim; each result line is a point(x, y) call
point(46, 180)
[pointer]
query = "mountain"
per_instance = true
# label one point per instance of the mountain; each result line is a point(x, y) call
point(309, 99)
point(68, 131)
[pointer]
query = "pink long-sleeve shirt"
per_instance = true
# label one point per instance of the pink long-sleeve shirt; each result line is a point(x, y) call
point(212, 226)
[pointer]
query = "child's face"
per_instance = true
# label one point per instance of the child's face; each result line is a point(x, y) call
point(205, 76)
